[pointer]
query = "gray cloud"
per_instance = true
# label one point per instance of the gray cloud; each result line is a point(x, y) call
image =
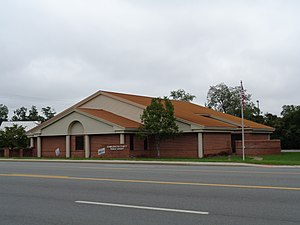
point(58, 52)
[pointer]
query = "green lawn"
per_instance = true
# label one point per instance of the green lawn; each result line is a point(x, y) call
point(287, 158)
point(290, 158)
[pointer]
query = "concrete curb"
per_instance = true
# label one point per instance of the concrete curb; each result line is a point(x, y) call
point(291, 150)
point(150, 162)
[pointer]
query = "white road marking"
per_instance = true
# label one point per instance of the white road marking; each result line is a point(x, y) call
point(143, 207)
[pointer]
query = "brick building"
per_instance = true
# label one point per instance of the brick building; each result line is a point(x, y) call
point(105, 125)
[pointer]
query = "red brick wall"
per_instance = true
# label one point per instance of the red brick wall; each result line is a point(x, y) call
point(251, 136)
point(50, 144)
point(15, 153)
point(184, 146)
point(216, 143)
point(139, 147)
point(138, 142)
point(34, 150)
point(6, 152)
point(259, 147)
point(27, 153)
point(101, 141)
point(260, 136)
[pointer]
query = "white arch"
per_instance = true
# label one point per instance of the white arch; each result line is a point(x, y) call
point(76, 128)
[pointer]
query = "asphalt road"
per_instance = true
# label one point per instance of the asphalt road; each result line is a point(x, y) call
point(80, 193)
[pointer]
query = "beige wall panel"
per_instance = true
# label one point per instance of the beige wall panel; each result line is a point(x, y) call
point(117, 107)
point(90, 126)
point(183, 126)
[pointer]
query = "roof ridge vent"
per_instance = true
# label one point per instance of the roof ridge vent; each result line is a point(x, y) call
point(204, 114)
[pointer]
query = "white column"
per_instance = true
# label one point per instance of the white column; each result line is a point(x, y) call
point(39, 147)
point(200, 145)
point(31, 142)
point(122, 139)
point(68, 148)
point(87, 146)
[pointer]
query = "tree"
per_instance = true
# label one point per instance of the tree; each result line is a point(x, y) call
point(48, 113)
point(287, 127)
point(181, 95)
point(290, 130)
point(158, 121)
point(275, 122)
point(288, 109)
point(20, 114)
point(13, 137)
point(34, 114)
point(3, 113)
point(228, 100)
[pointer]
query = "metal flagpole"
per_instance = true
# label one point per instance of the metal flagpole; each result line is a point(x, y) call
point(242, 108)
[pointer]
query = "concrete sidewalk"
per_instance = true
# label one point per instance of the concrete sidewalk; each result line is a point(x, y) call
point(175, 163)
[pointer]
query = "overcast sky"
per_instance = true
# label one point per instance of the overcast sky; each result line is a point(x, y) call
point(57, 52)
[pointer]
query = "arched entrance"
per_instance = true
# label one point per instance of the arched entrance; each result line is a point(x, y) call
point(77, 140)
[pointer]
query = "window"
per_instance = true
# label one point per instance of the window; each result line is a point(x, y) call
point(235, 137)
point(79, 143)
point(131, 142)
point(146, 144)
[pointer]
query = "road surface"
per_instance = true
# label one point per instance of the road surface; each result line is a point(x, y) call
point(34, 193)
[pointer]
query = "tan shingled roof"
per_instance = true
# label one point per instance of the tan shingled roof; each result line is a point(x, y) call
point(183, 110)
point(195, 113)
point(111, 117)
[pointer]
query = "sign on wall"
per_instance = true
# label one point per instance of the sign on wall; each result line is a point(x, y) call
point(116, 147)
point(57, 152)
point(101, 151)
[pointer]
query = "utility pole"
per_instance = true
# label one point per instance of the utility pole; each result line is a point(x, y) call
point(242, 109)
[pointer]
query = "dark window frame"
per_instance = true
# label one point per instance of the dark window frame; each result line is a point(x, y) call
point(146, 143)
point(131, 142)
point(79, 142)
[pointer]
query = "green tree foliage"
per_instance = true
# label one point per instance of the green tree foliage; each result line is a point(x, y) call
point(287, 127)
point(3, 113)
point(33, 114)
point(290, 127)
point(275, 122)
point(288, 109)
point(228, 100)
point(13, 137)
point(48, 113)
point(182, 95)
point(22, 114)
point(158, 121)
